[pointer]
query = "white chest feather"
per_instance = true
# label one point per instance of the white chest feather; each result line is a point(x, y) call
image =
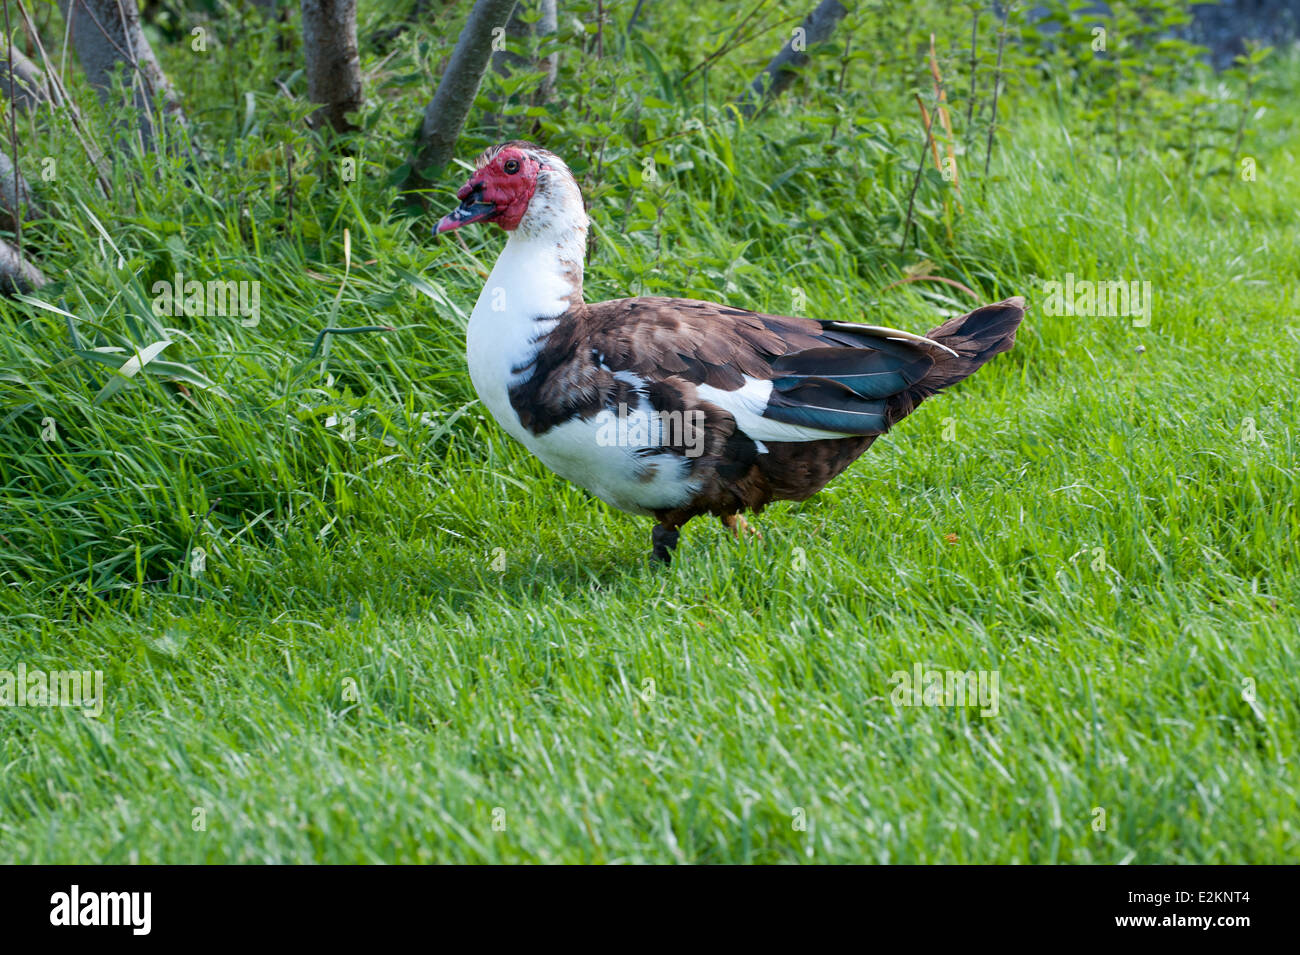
point(516, 309)
point(609, 454)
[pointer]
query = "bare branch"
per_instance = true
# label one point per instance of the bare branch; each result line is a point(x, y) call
point(16, 273)
point(445, 115)
point(817, 28)
point(16, 204)
point(23, 77)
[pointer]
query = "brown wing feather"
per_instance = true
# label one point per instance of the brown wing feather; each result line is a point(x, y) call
point(671, 345)
point(699, 341)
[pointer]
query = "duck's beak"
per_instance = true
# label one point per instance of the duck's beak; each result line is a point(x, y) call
point(472, 208)
point(465, 213)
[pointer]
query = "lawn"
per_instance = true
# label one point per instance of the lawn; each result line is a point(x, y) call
point(404, 640)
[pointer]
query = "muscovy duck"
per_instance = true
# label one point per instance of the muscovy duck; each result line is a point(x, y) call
point(675, 407)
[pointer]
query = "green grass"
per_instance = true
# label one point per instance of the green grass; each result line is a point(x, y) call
point(421, 646)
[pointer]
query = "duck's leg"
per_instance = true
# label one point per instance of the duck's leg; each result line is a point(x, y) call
point(664, 537)
point(739, 527)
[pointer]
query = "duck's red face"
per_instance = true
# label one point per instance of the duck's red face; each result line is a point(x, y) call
point(499, 191)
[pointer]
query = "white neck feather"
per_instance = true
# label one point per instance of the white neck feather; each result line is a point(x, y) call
point(539, 272)
point(537, 278)
point(556, 216)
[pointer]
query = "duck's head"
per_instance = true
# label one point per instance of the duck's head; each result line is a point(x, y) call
point(519, 186)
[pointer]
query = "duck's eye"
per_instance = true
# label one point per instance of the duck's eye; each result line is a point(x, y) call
point(511, 166)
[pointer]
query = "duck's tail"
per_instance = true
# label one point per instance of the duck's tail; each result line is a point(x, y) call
point(870, 376)
point(975, 338)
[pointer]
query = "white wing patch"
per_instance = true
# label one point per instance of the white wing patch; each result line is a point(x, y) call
point(747, 404)
point(607, 455)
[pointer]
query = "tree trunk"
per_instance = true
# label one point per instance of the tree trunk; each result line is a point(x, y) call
point(329, 40)
point(550, 64)
point(444, 117)
point(16, 273)
point(28, 82)
point(780, 73)
point(106, 33)
point(57, 94)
